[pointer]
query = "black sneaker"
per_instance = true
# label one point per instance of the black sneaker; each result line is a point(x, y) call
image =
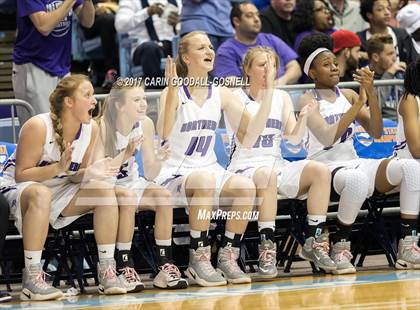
point(4, 297)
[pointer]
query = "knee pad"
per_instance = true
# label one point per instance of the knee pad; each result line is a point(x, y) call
point(353, 181)
point(355, 188)
point(407, 169)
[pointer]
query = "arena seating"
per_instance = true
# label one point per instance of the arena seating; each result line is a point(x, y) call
point(6, 49)
point(81, 48)
point(127, 69)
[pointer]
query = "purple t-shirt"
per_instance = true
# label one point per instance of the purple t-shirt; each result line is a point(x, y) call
point(50, 53)
point(230, 54)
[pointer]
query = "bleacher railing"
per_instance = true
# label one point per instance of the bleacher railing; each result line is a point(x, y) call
point(353, 85)
point(12, 103)
point(153, 97)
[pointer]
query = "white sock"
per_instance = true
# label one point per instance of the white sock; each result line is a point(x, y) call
point(195, 233)
point(229, 234)
point(124, 246)
point(315, 220)
point(163, 242)
point(270, 224)
point(106, 251)
point(32, 257)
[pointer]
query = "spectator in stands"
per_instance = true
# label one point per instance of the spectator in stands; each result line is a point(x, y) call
point(396, 5)
point(151, 24)
point(378, 14)
point(409, 18)
point(104, 28)
point(383, 60)
point(346, 14)
point(41, 56)
point(210, 16)
point(245, 19)
point(4, 225)
point(277, 19)
point(346, 49)
point(311, 16)
point(260, 4)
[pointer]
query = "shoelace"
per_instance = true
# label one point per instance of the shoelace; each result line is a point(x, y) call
point(344, 254)
point(415, 249)
point(322, 247)
point(40, 280)
point(231, 258)
point(204, 256)
point(110, 273)
point(171, 270)
point(130, 274)
point(267, 257)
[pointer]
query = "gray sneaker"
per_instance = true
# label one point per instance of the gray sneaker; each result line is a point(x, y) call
point(34, 286)
point(341, 256)
point(408, 256)
point(316, 251)
point(5, 297)
point(130, 279)
point(109, 282)
point(227, 265)
point(200, 269)
point(267, 267)
point(169, 277)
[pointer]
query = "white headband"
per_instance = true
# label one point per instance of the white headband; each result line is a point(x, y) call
point(311, 58)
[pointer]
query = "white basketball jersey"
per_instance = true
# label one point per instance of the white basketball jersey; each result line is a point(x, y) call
point(194, 133)
point(51, 152)
point(401, 148)
point(129, 169)
point(342, 149)
point(267, 147)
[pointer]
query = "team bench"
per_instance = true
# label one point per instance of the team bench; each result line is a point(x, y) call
point(73, 249)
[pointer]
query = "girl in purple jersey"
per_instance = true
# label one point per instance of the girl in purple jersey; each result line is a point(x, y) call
point(408, 135)
point(48, 181)
point(124, 130)
point(189, 116)
point(272, 174)
point(331, 132)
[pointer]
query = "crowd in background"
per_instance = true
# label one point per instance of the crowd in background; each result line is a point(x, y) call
point(384, 34)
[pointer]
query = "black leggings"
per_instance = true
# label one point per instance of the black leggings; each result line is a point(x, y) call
point(148, 55)
point(104, 28)
point(4, 221)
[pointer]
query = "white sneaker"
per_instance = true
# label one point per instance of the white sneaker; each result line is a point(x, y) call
point(109, 282)
point(408, 256)
point(169, 277)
